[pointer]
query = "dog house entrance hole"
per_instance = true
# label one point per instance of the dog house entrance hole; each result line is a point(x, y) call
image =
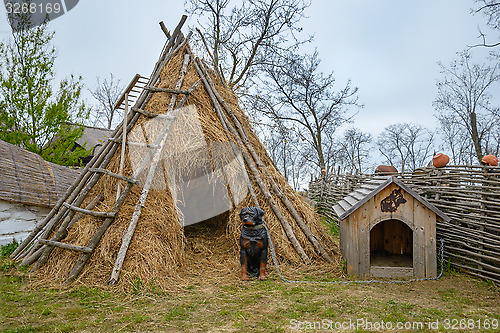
point(391, 245)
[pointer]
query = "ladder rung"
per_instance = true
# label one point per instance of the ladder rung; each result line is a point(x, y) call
point(88, 212)
point(144, 112)
point(153, 115)
point(166, 116)
point(65, 246)
point(130, 86)
point(132, 143)
point(141, 144)
point(109, 173)
point(171, 91)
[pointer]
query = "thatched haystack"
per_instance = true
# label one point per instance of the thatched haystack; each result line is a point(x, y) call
point(161, 251)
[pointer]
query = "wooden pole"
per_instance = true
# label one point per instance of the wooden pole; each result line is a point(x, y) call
point(164, 29)
point(127, 238)
point(139, 205)
point(124, 145)
point(160, 64)
point(277, 191)
point(42, 255)
point(99, 161)
point(284, 223)
point(80, 189)
point(107, 222)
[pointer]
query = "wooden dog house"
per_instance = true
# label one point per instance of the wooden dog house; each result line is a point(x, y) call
point(387, 229)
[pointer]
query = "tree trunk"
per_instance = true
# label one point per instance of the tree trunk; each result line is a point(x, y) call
point(475, 136)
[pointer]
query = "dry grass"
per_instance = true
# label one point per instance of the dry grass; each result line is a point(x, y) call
point(225, 304)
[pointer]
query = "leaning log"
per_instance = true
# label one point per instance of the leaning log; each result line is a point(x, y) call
point(277, 191)
point(255, 172)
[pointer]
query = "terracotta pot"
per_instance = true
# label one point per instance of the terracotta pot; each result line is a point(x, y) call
point(386, 170)
point(490, 160)
point(440, 160)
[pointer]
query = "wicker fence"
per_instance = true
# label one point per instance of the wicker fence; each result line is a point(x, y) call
point(469, 195)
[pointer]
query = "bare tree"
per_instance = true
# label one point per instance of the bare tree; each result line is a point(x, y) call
point(107, 92)
point(303, 100)
point(491, 9)
point(464, 100)
point(283, 149)
point(408, 145)
point(455, 141)
point(354, 151)
point(240, 37)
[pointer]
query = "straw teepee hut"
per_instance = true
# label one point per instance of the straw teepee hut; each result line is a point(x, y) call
point(186, 140)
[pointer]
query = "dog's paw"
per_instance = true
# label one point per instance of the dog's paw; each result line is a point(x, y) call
point(245, 278)
point(262, 278)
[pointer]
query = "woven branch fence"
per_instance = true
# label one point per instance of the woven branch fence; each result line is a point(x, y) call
point(469, 195)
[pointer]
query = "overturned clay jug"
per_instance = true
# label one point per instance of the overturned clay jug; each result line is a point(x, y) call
point(440, 160)
point(490, 160)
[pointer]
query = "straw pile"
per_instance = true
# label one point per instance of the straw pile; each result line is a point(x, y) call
point(162, 253)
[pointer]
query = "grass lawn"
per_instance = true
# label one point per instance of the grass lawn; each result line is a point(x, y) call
point(454, 301)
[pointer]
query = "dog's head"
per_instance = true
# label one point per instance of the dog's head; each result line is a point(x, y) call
point(251, 216)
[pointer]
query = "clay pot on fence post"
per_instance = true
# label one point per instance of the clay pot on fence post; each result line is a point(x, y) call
point(490, 160)
point(440, 160)
point(386, 170)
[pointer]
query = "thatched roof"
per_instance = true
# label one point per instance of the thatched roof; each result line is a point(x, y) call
point(94, 138)
point(27, 178)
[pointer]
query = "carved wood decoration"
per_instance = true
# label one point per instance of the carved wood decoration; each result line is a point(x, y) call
point(393, 201)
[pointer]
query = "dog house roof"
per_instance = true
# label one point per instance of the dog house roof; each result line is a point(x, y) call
point(369, 189)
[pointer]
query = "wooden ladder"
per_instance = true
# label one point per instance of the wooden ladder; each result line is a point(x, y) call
point(152, 158)
point(71, 203)
point(37, 247)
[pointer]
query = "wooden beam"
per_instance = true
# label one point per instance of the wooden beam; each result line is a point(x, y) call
point(89, 212)
point(65, 246)
point(277, 211)
point(144, 112)
point(130, 86)
point(275, 188)
point(111, 174)
point(165, 30)
point(127, 238)
point(170, 91)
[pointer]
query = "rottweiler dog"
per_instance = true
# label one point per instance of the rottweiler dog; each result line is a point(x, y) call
point(253, 244)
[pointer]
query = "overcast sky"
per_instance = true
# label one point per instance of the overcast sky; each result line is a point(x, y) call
point(388, 48)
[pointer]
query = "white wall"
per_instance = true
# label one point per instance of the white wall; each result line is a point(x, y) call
point(18, 220)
